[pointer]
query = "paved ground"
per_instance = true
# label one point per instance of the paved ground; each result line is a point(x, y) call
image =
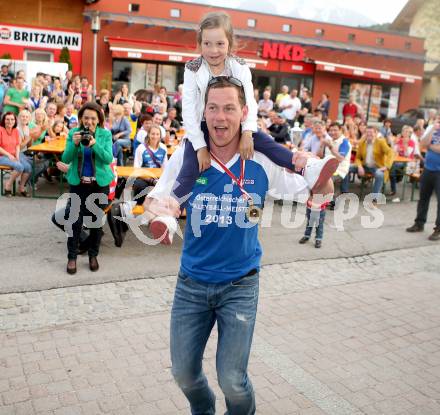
point(34, 251)
point(341, 336)
point(353, 328)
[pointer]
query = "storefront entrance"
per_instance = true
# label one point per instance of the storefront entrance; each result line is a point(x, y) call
point(262, 79)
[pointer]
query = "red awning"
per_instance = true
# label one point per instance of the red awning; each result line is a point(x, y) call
point(366, 72)
point(144, 50)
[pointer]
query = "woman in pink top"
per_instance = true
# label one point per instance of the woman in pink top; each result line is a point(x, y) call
point(11, 156)
point(405, 146)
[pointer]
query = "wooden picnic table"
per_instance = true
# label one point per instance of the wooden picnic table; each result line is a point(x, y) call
point(142, 172)
point(55, 147)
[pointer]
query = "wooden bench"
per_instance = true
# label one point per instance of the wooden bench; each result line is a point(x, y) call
point(3, 171)
point(414, 180)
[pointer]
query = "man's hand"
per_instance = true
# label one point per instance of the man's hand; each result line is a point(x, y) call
point(12, 158)
point(166, 206)
point(246, 145)
point(300, 158)
point(204, 159)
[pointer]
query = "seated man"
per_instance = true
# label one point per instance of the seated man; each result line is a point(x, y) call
point(314, 142)
point(279, 129)
point(373, 156)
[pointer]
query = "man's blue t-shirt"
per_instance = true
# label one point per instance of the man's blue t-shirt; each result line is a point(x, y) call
point(220, 244)
point(432, 158)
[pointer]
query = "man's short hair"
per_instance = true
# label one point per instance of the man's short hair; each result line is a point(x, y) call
point(145, 117)
point(335, 124)
point(318, 122)
point(221, 82)
point(371, 127)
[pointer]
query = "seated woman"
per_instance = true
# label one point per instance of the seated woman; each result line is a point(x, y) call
point(405, 146)
point(121, 130)
point(152, 154)
point(11, 156)
point(41, 129)
point(25, 128)
point(58, 131)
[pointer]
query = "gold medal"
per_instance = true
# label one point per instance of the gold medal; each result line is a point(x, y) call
point(253, 213)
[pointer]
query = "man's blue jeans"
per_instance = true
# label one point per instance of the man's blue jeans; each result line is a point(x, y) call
point(378, 178)
point(196, 307)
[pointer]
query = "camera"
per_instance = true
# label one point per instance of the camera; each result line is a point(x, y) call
point(86, 136)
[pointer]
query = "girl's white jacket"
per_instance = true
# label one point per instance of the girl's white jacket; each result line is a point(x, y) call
point(196, 78)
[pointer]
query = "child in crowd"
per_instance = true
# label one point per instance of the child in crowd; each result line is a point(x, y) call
point(315, 215)
point(215, 39)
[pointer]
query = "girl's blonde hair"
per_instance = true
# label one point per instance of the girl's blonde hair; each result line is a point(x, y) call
point(24, 112)
point(118, 109)
point(57, 122)
point(40, 111)
point(214, 20)
point(152, 127)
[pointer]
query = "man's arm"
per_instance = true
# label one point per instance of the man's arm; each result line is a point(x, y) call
point(169, 175)
point(282, 183)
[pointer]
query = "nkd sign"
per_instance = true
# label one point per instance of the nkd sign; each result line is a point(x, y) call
point(281, 51)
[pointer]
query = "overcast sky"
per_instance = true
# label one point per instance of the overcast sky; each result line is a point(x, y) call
point(379, 11)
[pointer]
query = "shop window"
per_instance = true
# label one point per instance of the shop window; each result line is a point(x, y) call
point(408, 45)
point(319, 32)
point(133, 7)
point(38, 56)
point(377, 101)
point(140, 75)
point(287, 28)
point(380, 41)
point(351, 37)
point(251, 23)
point(175, 13)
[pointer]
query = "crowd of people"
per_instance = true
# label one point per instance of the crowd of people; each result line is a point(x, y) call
point(47, 109)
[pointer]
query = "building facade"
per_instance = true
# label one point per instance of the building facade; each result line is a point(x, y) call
point(420, 18)
point(143, 42)
point(38, 30)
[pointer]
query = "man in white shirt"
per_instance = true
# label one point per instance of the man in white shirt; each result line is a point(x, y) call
point(290, 105)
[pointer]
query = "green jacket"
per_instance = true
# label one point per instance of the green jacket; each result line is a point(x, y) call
point(102, 156)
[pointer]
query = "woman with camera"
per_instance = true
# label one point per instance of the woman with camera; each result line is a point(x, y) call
point(89, 153)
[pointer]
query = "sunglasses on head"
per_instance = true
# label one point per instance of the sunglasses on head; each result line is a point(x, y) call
point(228, 79)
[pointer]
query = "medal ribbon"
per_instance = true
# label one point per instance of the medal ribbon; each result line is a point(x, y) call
point(238, 181)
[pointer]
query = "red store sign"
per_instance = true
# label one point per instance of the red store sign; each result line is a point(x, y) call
point(281, 51)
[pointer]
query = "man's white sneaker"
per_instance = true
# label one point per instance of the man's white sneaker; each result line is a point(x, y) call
point(318, 171)
point(163, 228)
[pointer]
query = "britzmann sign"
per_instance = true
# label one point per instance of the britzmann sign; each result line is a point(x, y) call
point(39, 37)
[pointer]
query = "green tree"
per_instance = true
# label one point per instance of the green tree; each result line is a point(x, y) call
point(6, 56)
point(65, 57)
